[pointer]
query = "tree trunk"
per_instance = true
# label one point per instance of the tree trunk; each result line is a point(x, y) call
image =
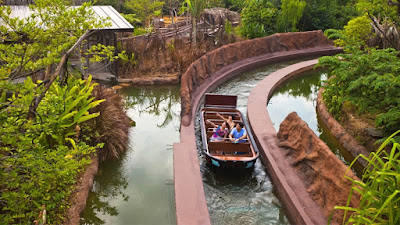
point(194, 35)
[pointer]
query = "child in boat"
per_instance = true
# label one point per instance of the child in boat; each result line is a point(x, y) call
point(220, 132)
point(229, 120)
point(238, 134)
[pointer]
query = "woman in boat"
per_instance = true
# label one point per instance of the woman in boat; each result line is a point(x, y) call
point(229, 120)
point(238, 134)
point(220, 132)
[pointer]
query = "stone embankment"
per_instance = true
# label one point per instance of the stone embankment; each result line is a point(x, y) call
point(82, 189)
point(204, 75)
point(344, 138)
point(307, 176)
point(151, 80)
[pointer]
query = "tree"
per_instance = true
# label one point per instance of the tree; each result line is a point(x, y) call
point(326, 14)
point(44, 138)
point(258, 18)
point(145, 9)
point(291, 12)
point(195, 9)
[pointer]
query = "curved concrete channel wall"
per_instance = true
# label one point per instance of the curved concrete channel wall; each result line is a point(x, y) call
point(204, 75)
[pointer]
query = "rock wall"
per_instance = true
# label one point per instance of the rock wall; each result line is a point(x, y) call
point(83, 186)
point(344, 138)
point(321, 172)
point(214, 61)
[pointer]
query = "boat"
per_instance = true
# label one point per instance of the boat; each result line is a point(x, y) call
point(225, 154)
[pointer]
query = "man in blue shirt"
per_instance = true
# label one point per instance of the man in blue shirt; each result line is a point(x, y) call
point(238, 134)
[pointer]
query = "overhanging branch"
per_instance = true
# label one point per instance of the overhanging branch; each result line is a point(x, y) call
point(35, 102)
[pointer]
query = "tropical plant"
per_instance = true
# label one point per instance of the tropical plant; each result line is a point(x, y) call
point(42, 144)
point(369, 81)
point(380, 8)
point(258, 18)
point(380, 188)
point(112, 124)
point(328, 14)
point(235, 5)
point(355, 34)
point(291, 12)
point(195, 9)
point(40, 159)
point(145, 9)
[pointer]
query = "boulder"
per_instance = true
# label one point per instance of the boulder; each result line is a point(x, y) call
point(321, 172)
point(217, 16)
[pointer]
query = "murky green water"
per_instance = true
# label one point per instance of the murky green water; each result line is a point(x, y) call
point(248, 197)
point(241, 197)
point(138, 189)
point(300, 95)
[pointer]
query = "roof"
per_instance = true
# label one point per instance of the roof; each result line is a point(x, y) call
point(118, 22)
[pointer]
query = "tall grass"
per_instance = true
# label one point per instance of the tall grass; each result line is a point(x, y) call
point(380, 188)
point(112, 125)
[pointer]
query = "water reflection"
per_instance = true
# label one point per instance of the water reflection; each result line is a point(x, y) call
point(109, 182)
point(300, 95)
point(138, 189)
point(153, 100)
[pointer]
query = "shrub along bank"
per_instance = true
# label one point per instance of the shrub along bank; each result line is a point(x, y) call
point(50, 128)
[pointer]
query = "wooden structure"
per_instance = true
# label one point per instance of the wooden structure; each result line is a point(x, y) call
point(225, 154)
point(106, 36)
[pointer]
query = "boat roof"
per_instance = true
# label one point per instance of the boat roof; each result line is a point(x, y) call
point(116, 20)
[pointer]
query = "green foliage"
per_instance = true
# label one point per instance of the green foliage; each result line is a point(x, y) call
point(377, 8)
point(333, 34)
point(322, 15)
point(234, 5)
point(228, 27)
point(258, 18)
point(45, 137)
point(356, 33)
point(29, 47)
point(368, 81)
point(40, 159)
point(119, 5)
point(131, 18)
point(140, 30)
point(291, 12)
point(145, 9)
point(380, 189)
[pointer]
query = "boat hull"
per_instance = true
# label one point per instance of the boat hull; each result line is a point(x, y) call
point(240, 164)
point(224, 153)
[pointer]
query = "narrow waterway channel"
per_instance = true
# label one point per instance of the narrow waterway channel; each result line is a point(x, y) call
point(241, 197)
point(248, 198)
point(139, 188)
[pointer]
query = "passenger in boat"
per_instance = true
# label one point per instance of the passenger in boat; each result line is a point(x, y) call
point(220, 132)
point(238, 134)
point(229, 120)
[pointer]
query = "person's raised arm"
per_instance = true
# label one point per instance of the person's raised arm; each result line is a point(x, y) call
point(220, 116)
point(212, 124)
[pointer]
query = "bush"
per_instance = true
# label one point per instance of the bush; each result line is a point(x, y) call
point(370, 82)
point(380, 189)
point(258, 18)
point(40, 159)
point(112, 125)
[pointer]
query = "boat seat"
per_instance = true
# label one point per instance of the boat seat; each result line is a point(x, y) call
point(227, 148)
